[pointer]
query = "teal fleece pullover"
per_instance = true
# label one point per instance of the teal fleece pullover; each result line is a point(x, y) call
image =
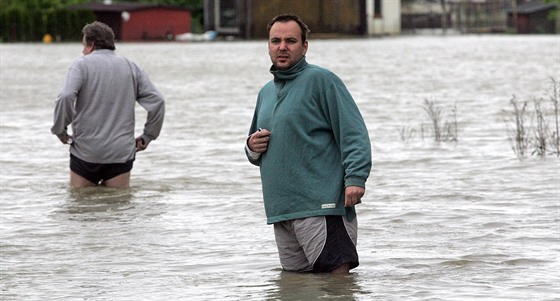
point(319, 144)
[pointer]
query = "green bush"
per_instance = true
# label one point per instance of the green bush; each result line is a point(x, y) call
point(22, 25)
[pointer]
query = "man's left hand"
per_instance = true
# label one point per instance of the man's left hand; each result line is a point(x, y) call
point(353, 195)
point(65, 138)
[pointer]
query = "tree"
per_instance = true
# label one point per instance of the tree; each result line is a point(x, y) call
point(30, 20)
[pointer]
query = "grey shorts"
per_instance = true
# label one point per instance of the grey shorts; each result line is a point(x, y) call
point(317, 244)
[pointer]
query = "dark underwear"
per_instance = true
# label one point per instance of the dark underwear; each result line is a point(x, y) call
point(95, 172)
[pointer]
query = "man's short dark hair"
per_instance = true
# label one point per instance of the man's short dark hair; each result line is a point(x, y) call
point(283, 18)
point(100, 34)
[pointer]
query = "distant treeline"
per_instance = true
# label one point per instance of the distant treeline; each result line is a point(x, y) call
point(18, 25)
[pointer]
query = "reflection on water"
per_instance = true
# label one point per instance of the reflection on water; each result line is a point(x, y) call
point(98, 204)
point(294, 287)
point(98, 199)
point(449, 221)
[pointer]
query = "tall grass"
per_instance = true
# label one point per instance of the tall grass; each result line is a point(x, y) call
point(532, 125)
point(516, 124)
point(555, 98)
point(529, 131)
point(443, 130)
point(407, 133)
point(442, 127)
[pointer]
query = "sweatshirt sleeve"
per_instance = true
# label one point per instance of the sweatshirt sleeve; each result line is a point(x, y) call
point(64, 110)
point(350, 133)
point(254, 158)
point(151, 99)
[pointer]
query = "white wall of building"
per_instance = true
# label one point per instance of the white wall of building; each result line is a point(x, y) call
point(390, 20)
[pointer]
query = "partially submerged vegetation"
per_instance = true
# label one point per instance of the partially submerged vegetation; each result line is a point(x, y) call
point(532, 125)
point(442, 126)
point(534, 131)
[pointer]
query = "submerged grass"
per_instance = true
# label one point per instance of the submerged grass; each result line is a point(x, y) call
point(516, 123)
point(529, 131)
point(442, 127)
point(532, 125)
point(448, 132)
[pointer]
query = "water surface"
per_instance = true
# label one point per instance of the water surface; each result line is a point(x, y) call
point(447, 221)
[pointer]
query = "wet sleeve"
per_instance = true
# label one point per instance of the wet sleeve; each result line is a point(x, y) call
point(253, 157)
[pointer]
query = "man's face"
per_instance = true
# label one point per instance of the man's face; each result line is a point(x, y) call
point(285, 46)
point(87, 49)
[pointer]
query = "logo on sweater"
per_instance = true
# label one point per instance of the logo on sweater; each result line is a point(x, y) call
point(328, 206)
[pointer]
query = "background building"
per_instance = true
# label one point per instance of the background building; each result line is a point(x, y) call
point(481, 16)
point(532, 17)
point(383, 17)
point(140, 21)
point(247, 19)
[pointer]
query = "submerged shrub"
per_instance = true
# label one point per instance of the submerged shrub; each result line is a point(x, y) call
point(531, 130)
point(442, 129)
point(516, 123)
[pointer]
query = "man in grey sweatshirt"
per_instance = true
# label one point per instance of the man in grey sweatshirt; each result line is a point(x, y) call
point(97, 98)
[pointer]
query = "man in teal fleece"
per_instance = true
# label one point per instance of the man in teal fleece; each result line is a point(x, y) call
point(312, 146)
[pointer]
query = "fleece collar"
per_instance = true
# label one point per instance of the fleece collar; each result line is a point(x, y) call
point(290, 73)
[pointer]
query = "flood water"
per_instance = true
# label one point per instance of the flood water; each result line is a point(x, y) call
point(463, 220)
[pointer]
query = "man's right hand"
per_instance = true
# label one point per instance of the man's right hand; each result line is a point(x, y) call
point(141, 144)
point(258, 141)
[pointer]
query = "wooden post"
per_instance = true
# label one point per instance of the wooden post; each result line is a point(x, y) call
point(443, 17)
point(514, 14)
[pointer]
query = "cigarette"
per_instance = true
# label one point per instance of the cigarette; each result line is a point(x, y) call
point(260, 129)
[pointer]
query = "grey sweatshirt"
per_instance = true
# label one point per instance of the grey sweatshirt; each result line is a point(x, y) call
point(98, 98)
